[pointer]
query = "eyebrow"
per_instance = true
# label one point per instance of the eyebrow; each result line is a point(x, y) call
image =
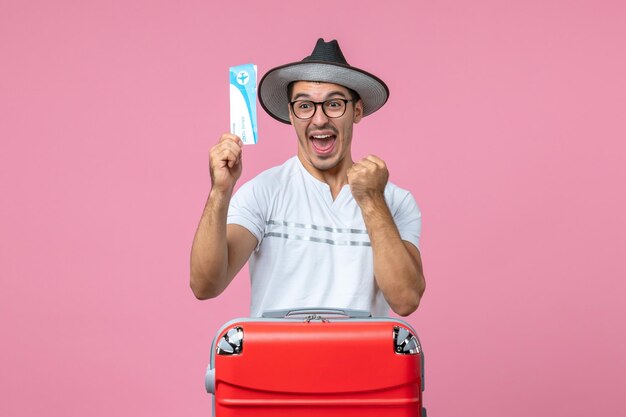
point(329, 95)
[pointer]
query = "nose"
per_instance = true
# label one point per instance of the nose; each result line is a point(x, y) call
point(319, 117)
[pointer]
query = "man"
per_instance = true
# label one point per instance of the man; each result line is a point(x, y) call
point(319, 230)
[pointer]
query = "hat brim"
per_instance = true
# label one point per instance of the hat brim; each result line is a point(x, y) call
point(273, 86)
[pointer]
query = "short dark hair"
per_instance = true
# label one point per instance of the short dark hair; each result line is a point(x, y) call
point(353, 94)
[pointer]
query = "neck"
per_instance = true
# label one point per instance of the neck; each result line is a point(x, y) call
point(336, 177)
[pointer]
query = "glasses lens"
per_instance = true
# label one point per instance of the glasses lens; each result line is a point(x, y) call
point(334, 107)
point(303, 109)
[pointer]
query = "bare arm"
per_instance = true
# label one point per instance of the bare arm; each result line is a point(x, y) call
point(219, 251)
point(397, 263)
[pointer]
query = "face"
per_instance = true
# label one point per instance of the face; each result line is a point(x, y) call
point(324, 142)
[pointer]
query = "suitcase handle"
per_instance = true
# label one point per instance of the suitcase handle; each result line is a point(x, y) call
point(275, 314)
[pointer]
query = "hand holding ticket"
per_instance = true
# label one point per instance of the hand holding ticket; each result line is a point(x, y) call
point(243, 103)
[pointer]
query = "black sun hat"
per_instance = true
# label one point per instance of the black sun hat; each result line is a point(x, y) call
point(325, 64)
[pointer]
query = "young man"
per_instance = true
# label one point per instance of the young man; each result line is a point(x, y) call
point(319, 230)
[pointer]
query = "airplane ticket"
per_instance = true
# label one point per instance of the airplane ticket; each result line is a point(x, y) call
point(243, 122)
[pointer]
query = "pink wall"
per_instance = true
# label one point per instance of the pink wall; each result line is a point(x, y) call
point(506, 120)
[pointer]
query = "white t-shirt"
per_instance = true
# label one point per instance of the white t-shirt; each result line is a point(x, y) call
point(313, 251)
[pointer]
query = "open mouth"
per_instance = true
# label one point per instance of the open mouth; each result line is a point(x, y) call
point(323, 144)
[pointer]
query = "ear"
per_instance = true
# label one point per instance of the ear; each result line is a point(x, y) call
point(358, 111)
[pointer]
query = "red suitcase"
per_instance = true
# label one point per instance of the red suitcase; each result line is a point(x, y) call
point(316, 362)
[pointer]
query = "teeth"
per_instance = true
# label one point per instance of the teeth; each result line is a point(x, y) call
point(321, 136)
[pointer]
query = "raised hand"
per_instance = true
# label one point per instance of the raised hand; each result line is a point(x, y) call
point(368, 178)
point(225, 162)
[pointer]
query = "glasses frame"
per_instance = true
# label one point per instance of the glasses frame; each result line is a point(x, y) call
point(321, 103)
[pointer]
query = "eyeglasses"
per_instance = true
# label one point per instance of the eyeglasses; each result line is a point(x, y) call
point(333, 108)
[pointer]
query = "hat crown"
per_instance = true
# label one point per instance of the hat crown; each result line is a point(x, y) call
point(327, 52)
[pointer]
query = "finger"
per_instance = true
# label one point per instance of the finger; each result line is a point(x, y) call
point(228, 146)
point(357, 167)
point(234, 146)
point(376, 160)
point(228, 158)
point(370, 165)
point(221, 157)
point(229, 137)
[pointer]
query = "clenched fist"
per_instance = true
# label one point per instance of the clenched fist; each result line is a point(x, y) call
point(368, 178)
point(225, 162)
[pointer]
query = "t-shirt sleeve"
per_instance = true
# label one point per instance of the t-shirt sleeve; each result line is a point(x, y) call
point(247, 209)
point(408, 219)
